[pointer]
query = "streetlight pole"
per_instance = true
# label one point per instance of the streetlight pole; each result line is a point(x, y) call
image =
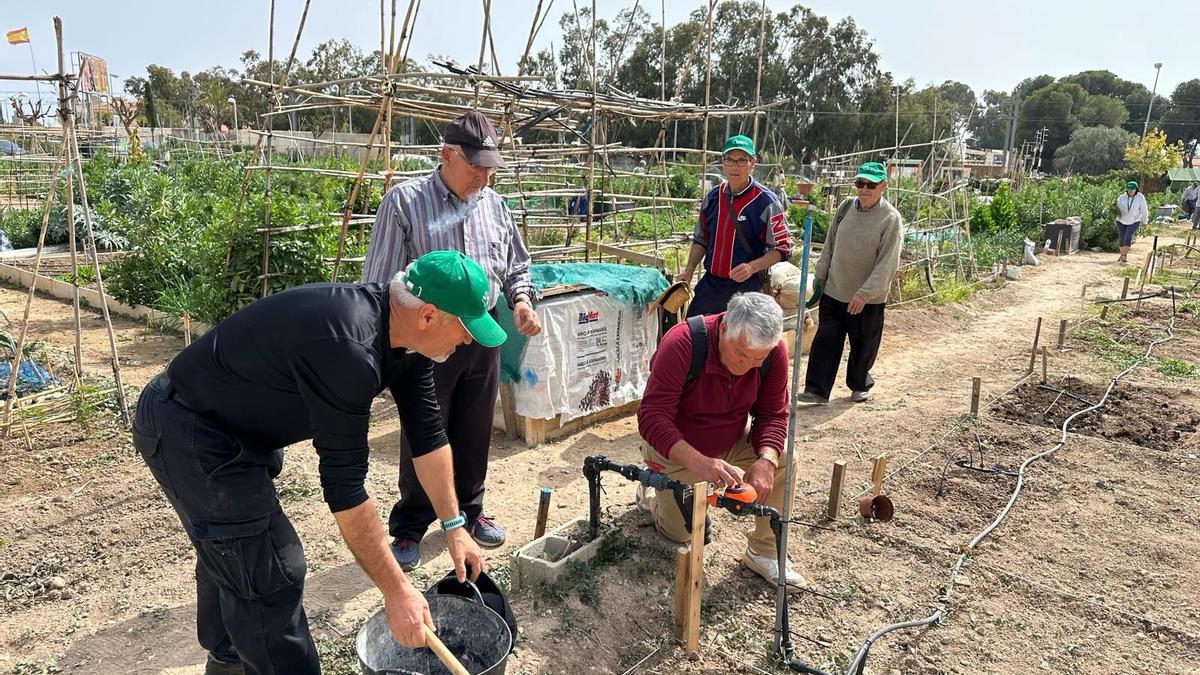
point(1150, 106)
point(896, 150)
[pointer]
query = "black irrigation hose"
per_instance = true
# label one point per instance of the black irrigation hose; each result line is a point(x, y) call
point(996, 470)
point(1063, 392)
point(860, 659)
point(1134, 298)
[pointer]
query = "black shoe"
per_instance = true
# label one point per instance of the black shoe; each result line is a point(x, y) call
point(215, 666)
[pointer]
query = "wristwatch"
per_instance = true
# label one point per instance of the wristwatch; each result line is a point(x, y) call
point(771, 457)
point(458, 521)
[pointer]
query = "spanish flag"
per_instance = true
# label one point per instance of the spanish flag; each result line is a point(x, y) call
point(19, 36)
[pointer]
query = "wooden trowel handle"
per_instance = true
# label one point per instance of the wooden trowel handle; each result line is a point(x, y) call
point(443, 654)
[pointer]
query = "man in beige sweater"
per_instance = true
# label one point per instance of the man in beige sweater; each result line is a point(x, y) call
point(853, 276)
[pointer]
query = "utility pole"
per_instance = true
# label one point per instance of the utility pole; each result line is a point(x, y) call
point(1010, 140)
point(896, 149)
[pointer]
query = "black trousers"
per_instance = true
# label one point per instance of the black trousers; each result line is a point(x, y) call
point(835, 324)
point(466, 385)
point(250, 565)
point(713, 293)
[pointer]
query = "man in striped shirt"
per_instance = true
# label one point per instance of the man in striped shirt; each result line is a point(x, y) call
point(740, 233)
point(454, 209)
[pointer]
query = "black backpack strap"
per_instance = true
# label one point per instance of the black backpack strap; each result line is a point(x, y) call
point(699, 347)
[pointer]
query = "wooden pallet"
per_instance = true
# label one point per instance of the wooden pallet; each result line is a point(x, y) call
point(535, 431)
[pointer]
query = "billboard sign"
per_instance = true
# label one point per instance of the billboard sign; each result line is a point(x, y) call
point(93, 74)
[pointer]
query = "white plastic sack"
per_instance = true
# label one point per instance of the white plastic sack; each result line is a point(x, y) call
point(593, 353)
point(785, 285)
point(1030, 258)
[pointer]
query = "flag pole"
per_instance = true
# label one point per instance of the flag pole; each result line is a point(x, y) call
point(34, 63)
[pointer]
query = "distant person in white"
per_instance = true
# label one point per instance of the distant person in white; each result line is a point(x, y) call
point(1131, 213)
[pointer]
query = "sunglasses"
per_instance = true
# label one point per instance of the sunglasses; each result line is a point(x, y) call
point(860, 184)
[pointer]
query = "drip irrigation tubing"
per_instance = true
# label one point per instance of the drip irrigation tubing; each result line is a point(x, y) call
point(860, 658)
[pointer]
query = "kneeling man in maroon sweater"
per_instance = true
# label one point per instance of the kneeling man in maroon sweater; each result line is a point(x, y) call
point(695, 415)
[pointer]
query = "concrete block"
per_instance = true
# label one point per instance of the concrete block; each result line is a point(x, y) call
point(541, 561)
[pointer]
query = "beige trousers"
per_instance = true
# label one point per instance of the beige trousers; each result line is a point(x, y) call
point(669, 520)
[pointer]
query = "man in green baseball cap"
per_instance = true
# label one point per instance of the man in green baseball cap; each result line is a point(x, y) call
point(739, 234)
point(456, 285)
point(853, 276)
point(307, 363)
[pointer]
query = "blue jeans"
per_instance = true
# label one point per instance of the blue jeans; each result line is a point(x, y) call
point(1125, 233)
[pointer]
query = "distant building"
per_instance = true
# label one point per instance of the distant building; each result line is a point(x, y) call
point(904, 168)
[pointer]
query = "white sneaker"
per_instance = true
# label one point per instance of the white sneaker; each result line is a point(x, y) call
point(643, 499)
point(767, 567)
point(859, 396)
point(807, 396)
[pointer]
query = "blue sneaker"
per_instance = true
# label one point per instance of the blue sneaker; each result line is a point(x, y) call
point(486, 532)
point(407, 553)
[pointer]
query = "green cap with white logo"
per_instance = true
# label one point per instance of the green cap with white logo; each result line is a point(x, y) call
point(739, 142)
point(456, 285)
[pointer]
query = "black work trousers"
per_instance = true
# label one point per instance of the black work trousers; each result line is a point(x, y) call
point(834, 325)
point(466, 386)
point(250, 565)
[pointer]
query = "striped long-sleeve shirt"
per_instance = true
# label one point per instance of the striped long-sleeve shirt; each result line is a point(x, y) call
point(423, 215)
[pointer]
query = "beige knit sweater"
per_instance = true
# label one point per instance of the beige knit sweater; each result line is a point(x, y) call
point(861, 253)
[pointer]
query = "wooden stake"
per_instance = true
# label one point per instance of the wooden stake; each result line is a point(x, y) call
point(835, 490)
point(1037, 336)
point(696, 567)
point(976, 382)
point(1125, 289)
point(683, 559)
point(187, 329)
point(1062, 333)
point(543, 513)
point(1043, 365)
point(1104, 311)
point(1058, 247)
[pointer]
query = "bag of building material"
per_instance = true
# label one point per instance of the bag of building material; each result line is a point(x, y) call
point(1029, 257)
point(785, 285)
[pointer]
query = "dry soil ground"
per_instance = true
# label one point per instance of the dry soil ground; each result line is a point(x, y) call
point(1092, 571)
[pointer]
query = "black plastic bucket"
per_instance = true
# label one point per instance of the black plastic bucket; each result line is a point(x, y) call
point(473, 632)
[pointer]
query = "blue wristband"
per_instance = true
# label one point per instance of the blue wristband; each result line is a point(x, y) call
point(458, 521)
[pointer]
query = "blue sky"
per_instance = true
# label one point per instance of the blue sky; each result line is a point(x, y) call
point(986, 45)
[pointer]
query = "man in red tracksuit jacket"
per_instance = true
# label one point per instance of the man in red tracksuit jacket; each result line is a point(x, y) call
point(695, 427)
point(740, 233)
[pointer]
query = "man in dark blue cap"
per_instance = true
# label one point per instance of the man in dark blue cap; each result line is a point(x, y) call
point(454, 209)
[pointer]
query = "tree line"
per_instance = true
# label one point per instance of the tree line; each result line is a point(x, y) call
point(827, 91)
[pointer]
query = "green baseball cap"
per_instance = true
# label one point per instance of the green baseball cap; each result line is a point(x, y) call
point(456, 285)
point(1131, 185)
point(739, 142)
point(872, 171)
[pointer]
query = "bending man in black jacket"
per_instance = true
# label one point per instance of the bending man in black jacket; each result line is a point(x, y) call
point(306, 363)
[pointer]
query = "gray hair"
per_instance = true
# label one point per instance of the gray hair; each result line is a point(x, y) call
point(756, 317)
point(399, 293)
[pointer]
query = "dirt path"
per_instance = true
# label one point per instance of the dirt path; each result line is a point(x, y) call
point(80, 507)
